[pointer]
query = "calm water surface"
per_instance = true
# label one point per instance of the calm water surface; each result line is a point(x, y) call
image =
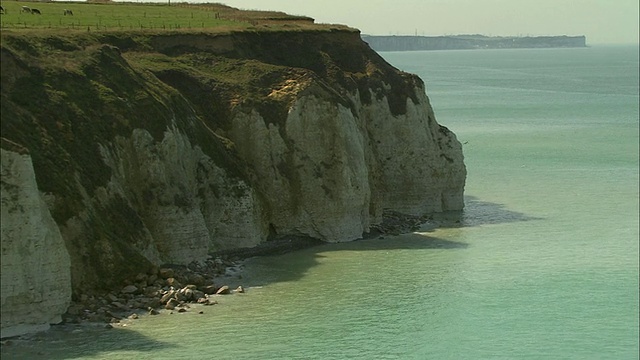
point(542, 265)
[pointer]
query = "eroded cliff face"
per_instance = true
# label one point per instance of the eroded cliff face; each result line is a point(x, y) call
point(189, 206)
point(36, 282)
point(156, 149)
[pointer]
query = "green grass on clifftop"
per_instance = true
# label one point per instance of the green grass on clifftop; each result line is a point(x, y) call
point(112, 16)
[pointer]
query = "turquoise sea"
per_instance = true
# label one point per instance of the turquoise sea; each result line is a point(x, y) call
point(542, 265)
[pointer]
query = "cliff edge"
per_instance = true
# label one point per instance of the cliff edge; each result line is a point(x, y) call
point(142, 149)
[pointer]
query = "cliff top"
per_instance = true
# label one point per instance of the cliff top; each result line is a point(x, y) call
point(103, 16)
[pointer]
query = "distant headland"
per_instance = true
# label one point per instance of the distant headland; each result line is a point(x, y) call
point(461, 42)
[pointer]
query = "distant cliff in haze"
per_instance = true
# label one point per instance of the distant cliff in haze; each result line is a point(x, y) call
point(460, 42)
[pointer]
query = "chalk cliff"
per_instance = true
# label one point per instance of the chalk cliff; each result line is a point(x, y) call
point(162, 148)
point(36, 282)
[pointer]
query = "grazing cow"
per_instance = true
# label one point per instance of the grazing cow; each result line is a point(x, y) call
point(68, 12)
point(25, 9)
point(36, 11)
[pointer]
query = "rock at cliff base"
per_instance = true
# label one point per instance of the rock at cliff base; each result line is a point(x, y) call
point(166, 273)
point(129, 289)
point(171, 304)
point(223, 290)
point(167, 296)
point(173, 282)
point(209, 289)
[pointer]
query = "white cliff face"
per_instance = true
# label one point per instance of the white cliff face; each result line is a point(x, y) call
point(189, 206)
point(36, 282)
point(329, 155)
point(421, 163)
point(329, 171)
point(315, 179)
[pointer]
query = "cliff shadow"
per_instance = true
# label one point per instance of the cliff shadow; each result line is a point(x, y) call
point(266, 269)
point(476, 212)
point(293, 263)
point(79, 341)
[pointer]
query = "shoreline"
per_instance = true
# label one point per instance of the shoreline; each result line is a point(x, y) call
point(173, 289)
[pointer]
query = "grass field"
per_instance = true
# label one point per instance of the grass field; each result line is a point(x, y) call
point(115, 16)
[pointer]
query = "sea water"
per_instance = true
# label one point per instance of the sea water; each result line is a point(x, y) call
point(543, 263)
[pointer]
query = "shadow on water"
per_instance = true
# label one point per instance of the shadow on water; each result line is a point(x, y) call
point(292, 265)
point(412, 241)
point(476, 213)
point(79, 341)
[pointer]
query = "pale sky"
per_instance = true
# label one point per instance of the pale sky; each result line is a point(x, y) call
point(602, 21)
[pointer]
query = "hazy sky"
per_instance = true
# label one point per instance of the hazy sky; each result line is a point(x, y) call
point(602, 21)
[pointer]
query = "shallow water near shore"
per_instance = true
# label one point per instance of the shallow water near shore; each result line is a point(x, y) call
point(542, 264)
